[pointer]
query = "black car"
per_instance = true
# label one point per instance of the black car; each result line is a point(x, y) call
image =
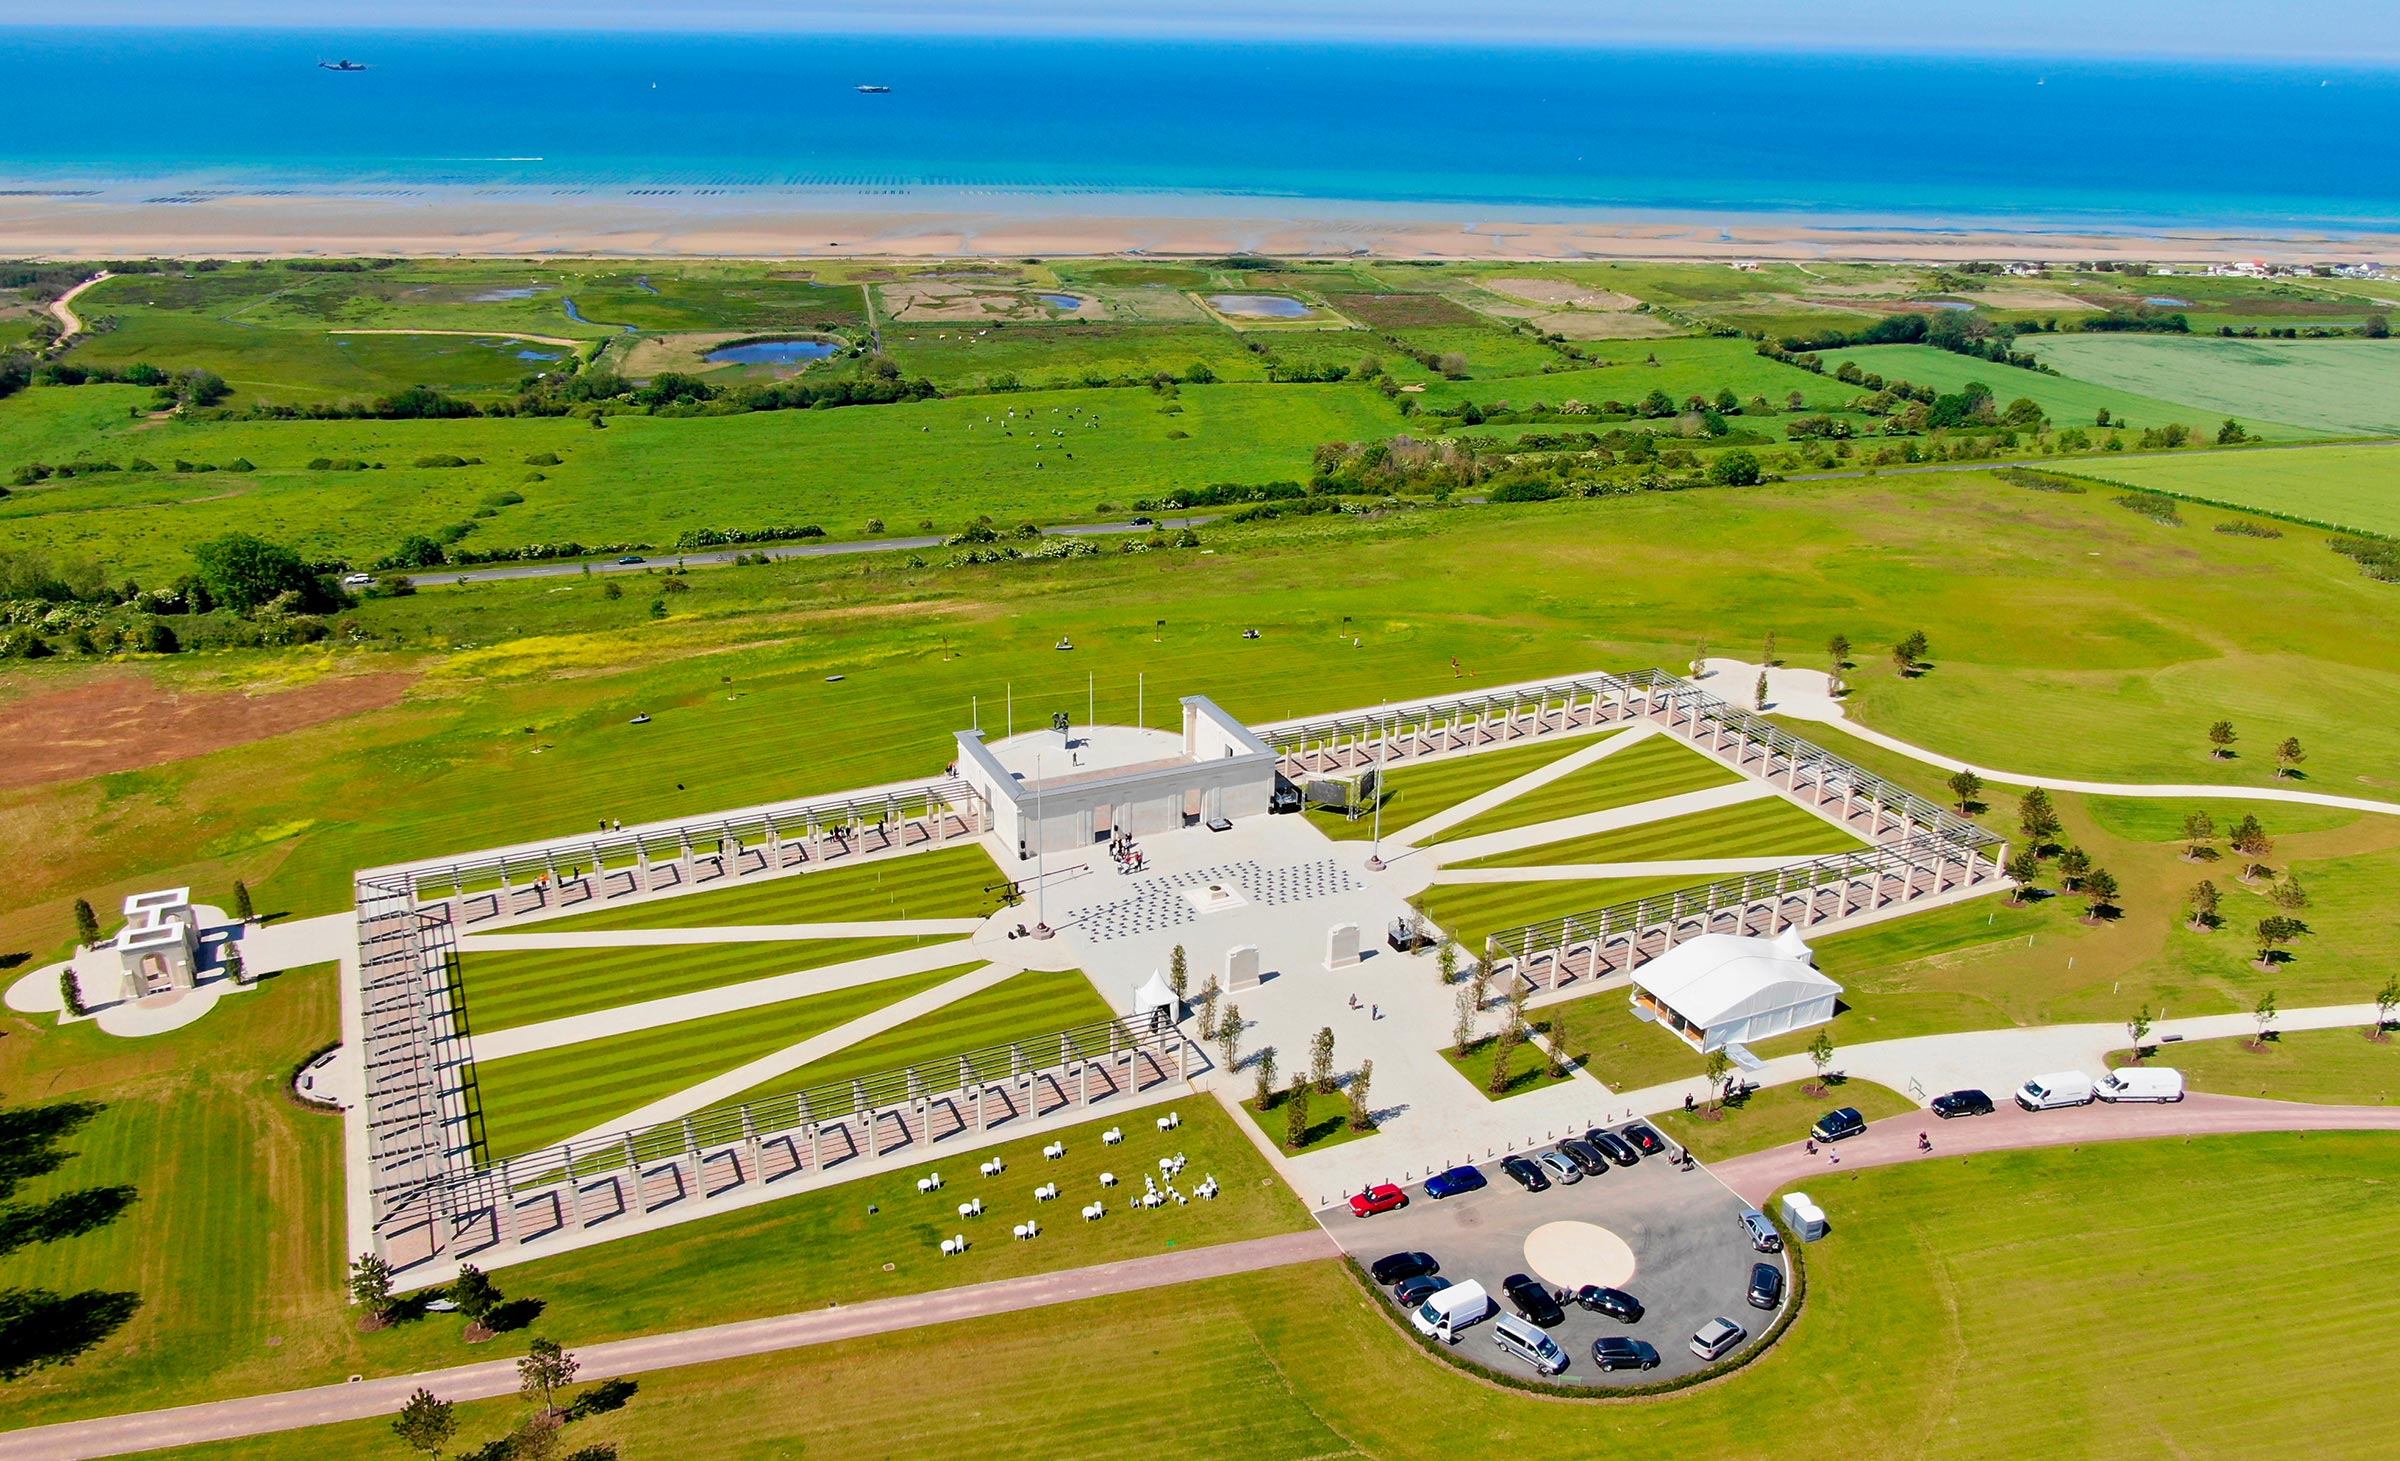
point(1962, 1103)
point(1766, 1285)
point(1532, 1299)
point(1394, 1267)
point(1585, 1155)
point(1615, 1303)
point(1650, 1142)
point(1411, 1292)
point(1528, 1174)
point(1620, 1353)
point(1839, 1125)
point(1616, 1148)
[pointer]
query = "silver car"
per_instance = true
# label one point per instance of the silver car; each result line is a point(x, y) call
point(1762, 1233)
point(1562, 1168)
point(1717, 1338)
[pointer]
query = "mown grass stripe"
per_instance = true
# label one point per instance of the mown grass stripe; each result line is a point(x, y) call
point(515, 987)
point(955, 882)
point(1768, 827)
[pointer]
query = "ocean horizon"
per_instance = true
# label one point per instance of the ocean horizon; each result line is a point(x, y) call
point(1109, 125)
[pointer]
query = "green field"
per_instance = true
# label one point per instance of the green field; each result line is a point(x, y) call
point(2065, 399)
point(1413, 793)
point(2342, 386)
point(2352, 487)
point(526, 986)
point(538, 1099)
point(2339, 1067)
point(1769, 827)
point(953, 882)
point(968, 356)
point(1660, 766)
point(1034, 1002)
point(1920, 1303)
point(1776, 1116)
point(1685, 368)
point(1470, 912)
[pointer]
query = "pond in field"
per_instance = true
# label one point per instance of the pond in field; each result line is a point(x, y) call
point(2168, 301)
point(497, 296)
point(1260, 306)
point(1060, 301)
point(772, 352)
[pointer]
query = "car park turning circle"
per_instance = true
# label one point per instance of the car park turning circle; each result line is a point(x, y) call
point(1569, 1255)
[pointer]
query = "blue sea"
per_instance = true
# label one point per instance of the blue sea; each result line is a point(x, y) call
point(1084, 125)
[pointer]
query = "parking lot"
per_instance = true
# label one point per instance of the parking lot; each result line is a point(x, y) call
point(1690, 1258)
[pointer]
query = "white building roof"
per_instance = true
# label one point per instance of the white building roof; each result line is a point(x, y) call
point(1718, 978)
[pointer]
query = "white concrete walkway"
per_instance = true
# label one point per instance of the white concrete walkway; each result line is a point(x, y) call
point(674, 1009)
point(731, 933)
point(1585, 824)
point(1807, 695)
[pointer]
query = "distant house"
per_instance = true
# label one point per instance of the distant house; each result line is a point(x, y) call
point(1722, 989)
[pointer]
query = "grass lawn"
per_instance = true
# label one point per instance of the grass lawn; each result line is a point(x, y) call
point(1035, 1002)
point(955, 882)
point(2333, 385)
point(1768, 827)
point(1529, 1066)
point(1472, 912)
point(1413, 793)
point(1774, 1116)
point(526, 986)
point(2156, 819)
point(1686, 367)
point(2065, 399)
point(2347, 486)
point(1658, 766)
point(531, 1101)
point(2333, 1067)
point(1328, 1121)
point(1934, 1272)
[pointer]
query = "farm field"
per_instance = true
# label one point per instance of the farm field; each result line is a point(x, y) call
point(1304, 1362)
point(955, 882)
point(2340, 386)
point(1686, 367)
point(542, 1098)
point(2065, 400)
point(968, 356)
point(1769, 827)
point(2355, 487)
point(524, 986)
point(2327, 1067)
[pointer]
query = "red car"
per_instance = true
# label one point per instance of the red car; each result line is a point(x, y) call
point(1377, 1199)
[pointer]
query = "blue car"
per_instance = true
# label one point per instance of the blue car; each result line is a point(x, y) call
point(1453, 1182)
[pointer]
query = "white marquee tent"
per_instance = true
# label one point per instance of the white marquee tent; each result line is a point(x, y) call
point(1152, 997)
point(1720, 989)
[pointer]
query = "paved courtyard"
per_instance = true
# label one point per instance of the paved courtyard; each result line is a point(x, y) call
point(1691, 1261)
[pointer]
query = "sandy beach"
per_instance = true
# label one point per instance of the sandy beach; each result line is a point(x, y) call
point(432, 223)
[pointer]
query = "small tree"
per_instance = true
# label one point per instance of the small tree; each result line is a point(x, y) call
point(371, 1284)
point(2199, 828)
point(2274, 931)
point(2023, 869)
point(2288, 895)
point(1700, 659)
point(1909, 654)
point(2038, 817)
point(1208, 1009)
point(243, 909)
point(2204, 906)
point(2387, 999)
point(1362, 1116)
point(2072, 865)
point(1504, 1052)
point(545, 1370)
point(474, 1293)
point(1480, 983)
point(2263, 1014)
point(1965, 786)
point(2220, 739)
point(70, 994)
point(1766, 654)
point(426, 1424)
point(1758, 693)
point(1820, 1055)
point(1560, 1034)
point(2137, 1029)
point(1320, 1061)
point(1717, 1068)
point(1179, 972)
point(87, 924)
point(1264, 1060)
point(1295, 1117)
point(1445, 962)
point(2099, 892)
point(1462, 1030)
point(1837, 649)
point(2288, 756)
point(2250, 839)
point(1229, 1035)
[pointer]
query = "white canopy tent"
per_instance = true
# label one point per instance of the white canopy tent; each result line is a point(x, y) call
point(1153, 997)
point(1722, 988)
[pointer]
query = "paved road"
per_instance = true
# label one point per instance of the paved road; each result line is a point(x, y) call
point(432, 577)
point(1760, 1175)
point(327, 1404)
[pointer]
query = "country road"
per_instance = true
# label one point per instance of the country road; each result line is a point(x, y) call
point(62, 309)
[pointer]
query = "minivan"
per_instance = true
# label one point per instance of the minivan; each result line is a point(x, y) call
point(1518, 1338)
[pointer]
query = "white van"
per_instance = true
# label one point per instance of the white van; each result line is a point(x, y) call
point(2140, 1083)
point(2046, 1092)
point(1445, 1315)
point(1530, 1344)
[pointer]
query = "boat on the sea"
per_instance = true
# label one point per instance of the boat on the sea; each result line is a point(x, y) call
point(341, 65)
point(873, 90)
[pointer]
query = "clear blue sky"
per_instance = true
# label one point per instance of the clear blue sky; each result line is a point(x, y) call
point(2342, 31)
